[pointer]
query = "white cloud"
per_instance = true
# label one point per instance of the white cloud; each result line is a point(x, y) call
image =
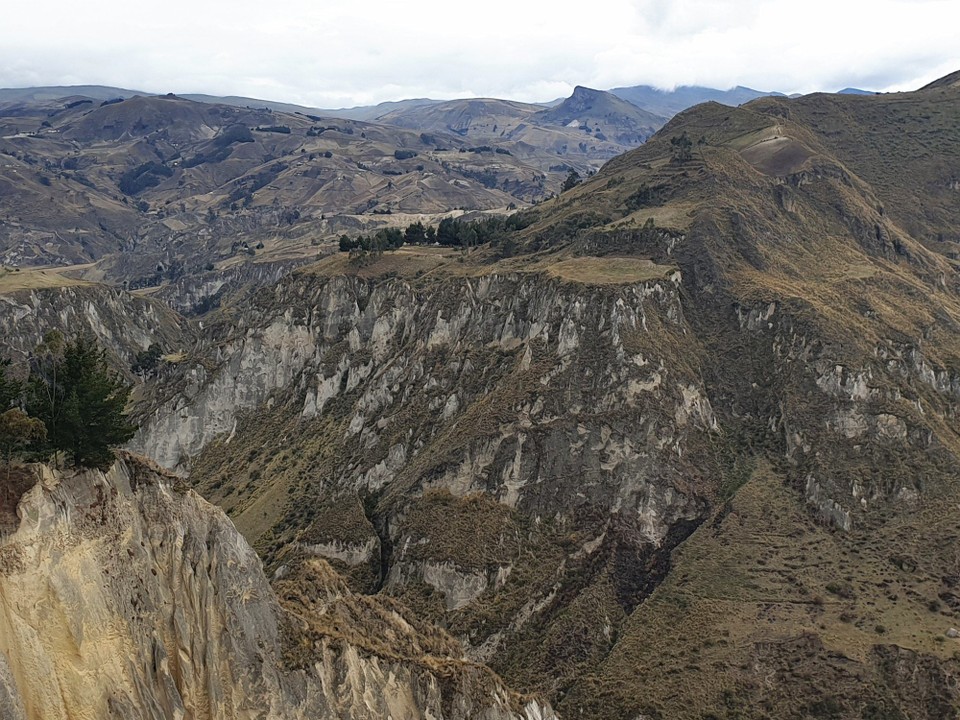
point(347, 52)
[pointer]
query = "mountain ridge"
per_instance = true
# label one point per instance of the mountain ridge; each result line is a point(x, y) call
point(682, 444)
point(761, 322)
point(658, 102)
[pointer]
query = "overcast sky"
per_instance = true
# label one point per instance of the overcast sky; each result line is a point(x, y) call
point(336, 53)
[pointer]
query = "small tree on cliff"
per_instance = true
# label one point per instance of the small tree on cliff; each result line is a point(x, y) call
point(17, 432)
point(17, 429)
point(79, 399)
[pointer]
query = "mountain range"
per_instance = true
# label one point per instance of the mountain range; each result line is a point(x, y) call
point(680, 441)
point(659, 102)
point(150, 188)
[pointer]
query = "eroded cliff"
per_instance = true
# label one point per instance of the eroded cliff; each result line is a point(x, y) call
point(125, 595)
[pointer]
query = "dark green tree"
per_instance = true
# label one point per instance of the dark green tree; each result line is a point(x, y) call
point(10, 388)
point(347, 244)
point(680, 148)
point(573, 179)
point(388, 239)
point(80, 401)
point(447, 232)
point(147, 360)
point(415, 234)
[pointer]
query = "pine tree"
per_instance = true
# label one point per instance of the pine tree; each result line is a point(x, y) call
point(80, 401)
point(573, 179)
point(415, 234)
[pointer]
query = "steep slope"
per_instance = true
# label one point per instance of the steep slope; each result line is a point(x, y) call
point(126, 596)
point(515, 446)
point(831, 321)
point(422, 402)
point(905, 145)
point(122, 323)
point(947, 81)
point(155, 188)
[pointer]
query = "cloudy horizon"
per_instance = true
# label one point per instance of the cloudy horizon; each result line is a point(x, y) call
point(345, 54)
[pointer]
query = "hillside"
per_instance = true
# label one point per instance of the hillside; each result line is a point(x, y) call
point(728, 373)
point(30, 95)
point(816, 242)
point(683, 444)
point(605, 116)
point(582, 132)
point(485, 118)
point(156, 188)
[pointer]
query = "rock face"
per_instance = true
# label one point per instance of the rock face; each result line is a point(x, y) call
point(516, 454)
point(605, 115)
point(708, 421)
point(122, 323)
point(515, 447)
point(506, 440)
point(125, 596)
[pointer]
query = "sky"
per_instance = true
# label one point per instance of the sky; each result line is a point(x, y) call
point(341, 53)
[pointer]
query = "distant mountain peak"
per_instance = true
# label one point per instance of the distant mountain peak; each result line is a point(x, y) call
point(599, 102)
point(584, 91)
point(668, 103)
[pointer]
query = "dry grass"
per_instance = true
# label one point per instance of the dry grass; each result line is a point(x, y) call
point(764, 575)
point(608, 270)
point(440, 264)
point(37, 278)
point(676, 216)
point(777, 156)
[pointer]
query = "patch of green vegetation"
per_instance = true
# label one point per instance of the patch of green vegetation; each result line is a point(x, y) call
point(144, 176)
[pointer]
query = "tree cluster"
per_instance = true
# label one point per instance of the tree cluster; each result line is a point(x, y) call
point(450, 232)
point(147, 360)
point(71, 405)
point(573, 179)
point(681, 148)
point(144, 176)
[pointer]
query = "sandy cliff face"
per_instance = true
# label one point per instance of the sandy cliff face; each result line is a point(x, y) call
point(125, 596)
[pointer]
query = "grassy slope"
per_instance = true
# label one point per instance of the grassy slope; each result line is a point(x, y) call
point(767, 613)
point(840, 213)
point(35, 279)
